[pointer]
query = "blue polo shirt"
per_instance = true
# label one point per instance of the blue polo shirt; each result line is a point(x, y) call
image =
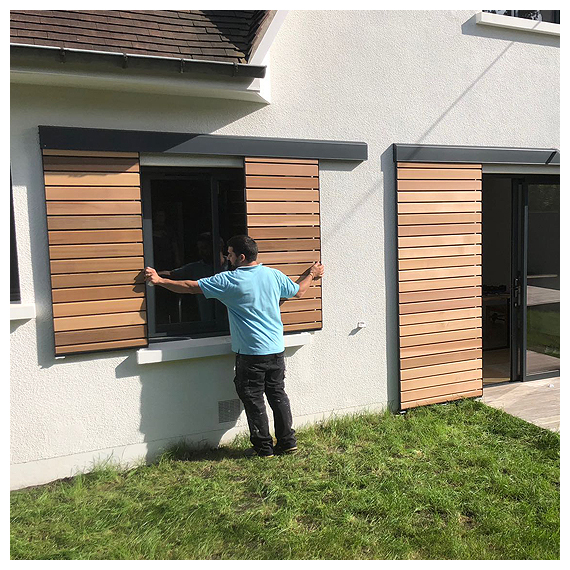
point(252, 295)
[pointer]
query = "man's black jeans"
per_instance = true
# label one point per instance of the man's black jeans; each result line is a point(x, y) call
point(256, 375)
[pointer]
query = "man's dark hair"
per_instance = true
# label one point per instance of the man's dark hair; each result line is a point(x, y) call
point(244, 245)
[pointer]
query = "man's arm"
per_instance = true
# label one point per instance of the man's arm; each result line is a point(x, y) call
point(304, 282)
point(192, 287)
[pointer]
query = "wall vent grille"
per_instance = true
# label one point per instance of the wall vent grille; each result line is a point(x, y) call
point(229, 410)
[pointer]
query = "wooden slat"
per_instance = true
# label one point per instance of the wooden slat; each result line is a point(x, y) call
point(439, 359)
point(438, 173)
point(260, 233)
point(438, 207)
point(428, 381)
point(447, 368)
point(443, 229)
point(95, 250)
point(301, 317)
point(439, 273)
point(420, 339)
point(438, 185)
point(256, 220)
point(450, 239)
point(434, 262)
point(443, 390)
point(282, 207)
point(303, 326)
point(422, 296)
point(425, 219)
point(91, 179)
point(93, 222)
point(97, 279)
point(100, 335)
point(292, 269)
point(449, 196)
point(272, 169)
point(436, 316)
point(89, 153)
point(447, 165)
point(93, 208)
point(99, 321)
point(98, 307)
point(94, 236)
point(440, 251)
point(98, 264)
point(452, 283)
point(97, 293)
point(99, 346)
point(293, 305)
point(440, 347)
point(93, 164)
point(441, 399)
point(281, 160)
point(273, 195)
point(281, 182)
point(442, 305)
point(441, 326)
point(273, 258)
point(288, 245)
point(68, 193)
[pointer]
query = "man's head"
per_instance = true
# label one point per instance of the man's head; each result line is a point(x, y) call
point(242, 250)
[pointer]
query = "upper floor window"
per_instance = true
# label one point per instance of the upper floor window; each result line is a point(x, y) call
point(552, 16)
point(14, 278)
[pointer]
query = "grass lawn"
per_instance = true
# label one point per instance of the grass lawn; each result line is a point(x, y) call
point(456, 481)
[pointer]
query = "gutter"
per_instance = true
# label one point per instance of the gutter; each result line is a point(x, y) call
point(21, 54)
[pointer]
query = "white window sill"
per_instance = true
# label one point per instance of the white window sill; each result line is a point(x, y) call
point(201, 347)
point(22, 312)
point(500, 21)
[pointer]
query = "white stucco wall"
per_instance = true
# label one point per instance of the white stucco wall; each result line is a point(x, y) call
point(378, 77)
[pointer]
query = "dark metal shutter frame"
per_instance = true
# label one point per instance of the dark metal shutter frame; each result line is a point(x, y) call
point(93, 205)
point(283, 217)
point(439, 282)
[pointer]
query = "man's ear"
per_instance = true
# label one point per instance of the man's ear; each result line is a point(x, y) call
point(241, 258)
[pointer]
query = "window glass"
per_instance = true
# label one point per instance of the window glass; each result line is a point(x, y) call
point(14, 278)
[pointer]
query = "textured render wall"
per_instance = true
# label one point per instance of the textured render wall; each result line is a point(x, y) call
point(379, 77)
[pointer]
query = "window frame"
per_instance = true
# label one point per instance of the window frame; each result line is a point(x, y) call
point(15, 292)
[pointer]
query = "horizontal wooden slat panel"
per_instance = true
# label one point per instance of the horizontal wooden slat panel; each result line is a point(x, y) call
point(439, 273)
point(301, 317)
point(452, 283)
point(441, 399)
point(440, 347)
point(451, 239)
point(91, 179)
point(438, 359)
point(273, 258)
point(93, 208)
point(100, 335)
point(443, 305)
point(440, 251)
point(416, 318)
point(113, 345)
point(442, 229)
point(438, 207)
point(97, 293)
point(95, 250)
point(439, 173)
point(281, 182)
point(420, 339)
point(428, 381)
point(92, 164)
point(89, 153)
point(442, 390)
point(261, 233)
point(282, 207)
point(288, 245)
point(425, 219)
point(273, 195)
point(272, 169)
point(93, 222)
point(434, 262)
point(440, 326)
point(303, 304)
point(96, 279)
point(437, 369)
point(98, 307)
point(282, 160)
point(439, 185)
point(94, 236)
point(68, 193)
point(93, 265)
point(422, 296)
point(99, 321)
point(449, 196)
point(303, 327)
point(256, 220)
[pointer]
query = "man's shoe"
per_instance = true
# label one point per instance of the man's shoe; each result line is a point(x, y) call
point(286, 451)
point(255, 453)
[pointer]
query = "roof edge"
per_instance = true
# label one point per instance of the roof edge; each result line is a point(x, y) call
point(266, 35)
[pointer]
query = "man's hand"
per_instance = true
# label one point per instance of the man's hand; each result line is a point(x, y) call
point(151, 276)
point(317, 270)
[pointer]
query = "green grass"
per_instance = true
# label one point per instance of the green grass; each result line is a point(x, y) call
point(456, 481)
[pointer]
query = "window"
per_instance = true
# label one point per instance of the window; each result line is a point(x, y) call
point(552, 16)
point(14, 276)
point(189, 215)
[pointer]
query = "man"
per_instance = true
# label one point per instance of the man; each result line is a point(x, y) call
point(252, 293)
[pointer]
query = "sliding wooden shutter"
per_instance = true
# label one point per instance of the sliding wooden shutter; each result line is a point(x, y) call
point(95, 247)
point(282, 210)
point(439, 277)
